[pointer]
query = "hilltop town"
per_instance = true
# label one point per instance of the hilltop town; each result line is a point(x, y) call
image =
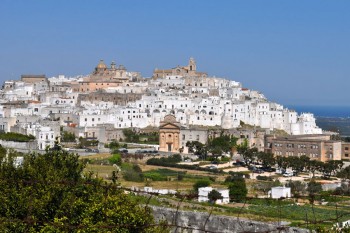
point(99, 105)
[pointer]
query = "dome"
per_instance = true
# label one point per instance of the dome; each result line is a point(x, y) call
point(101, 65)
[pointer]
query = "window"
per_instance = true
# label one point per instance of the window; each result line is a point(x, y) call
point(346, 155)
point(346, 148)
point(183, 136)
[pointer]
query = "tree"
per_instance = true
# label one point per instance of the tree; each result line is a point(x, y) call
point(313, 188)
point(266, 159)
point(200, 184)
point(313, 166)
point(297, 187)
point(282, 162)
point(237, 189)
point(214, 195)
point(197, 148)
point(344, 173)
point(67, 136)
point(298, 163)
point(131, 136)
point(330, 167)
point(249, 155)
point(265, 186)
point(115, 159)
point(220, 145)
point(50, 193)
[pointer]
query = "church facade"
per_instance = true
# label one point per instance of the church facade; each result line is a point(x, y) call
point(185, 71)
point(169, 134)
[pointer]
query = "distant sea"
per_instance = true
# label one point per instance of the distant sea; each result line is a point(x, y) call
point(330, 118)
point(323, 111)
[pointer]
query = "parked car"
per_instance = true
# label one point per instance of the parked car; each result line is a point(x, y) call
point(95, 150)
point(123, 150)
point(288, 174)
point(212, 167)
point(258, 171)
point(280, 171)
point(268, 169)
point(88, 150)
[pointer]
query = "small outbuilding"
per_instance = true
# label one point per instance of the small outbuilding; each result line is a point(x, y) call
point(204, 192)
point(280, 192)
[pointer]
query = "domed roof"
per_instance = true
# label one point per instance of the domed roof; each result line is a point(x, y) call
point(101, 65)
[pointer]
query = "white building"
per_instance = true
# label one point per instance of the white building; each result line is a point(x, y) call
point(280, 192)
point(204, 192)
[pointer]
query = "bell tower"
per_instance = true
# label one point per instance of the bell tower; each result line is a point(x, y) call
point(192, 64)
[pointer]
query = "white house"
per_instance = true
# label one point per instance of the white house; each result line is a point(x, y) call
point(204, 192)
point(280, 192)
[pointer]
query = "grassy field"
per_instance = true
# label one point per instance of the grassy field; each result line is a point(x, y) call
point(255, 209)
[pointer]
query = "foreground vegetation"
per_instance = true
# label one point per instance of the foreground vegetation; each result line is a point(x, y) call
point(51, 193)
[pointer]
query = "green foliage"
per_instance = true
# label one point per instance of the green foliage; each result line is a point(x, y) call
point(16, 137)
point(265, 178)
point(249, 155)
point(115, 159)
point(113, 145)
point(132, 173)
point(266, 159)
point(49, 193)
point(83, 143)
point(225, 159)
point(214, 195)
point(163, 174)
point(197, 148)
point(222, 144)
point(266, 185)
point(172, 159)
point(131, 136)
point(200, 184)
point(67, 136)
point(297, 187)
point(237, 189)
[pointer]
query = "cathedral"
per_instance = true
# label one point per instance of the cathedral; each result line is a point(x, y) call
point(185, 71)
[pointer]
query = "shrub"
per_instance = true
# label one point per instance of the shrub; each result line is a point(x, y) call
point(200, 184)
point(16, 137)
point(225, 159)
point(132, 173)
point(238, 189)
point(264, 178)
point(115, 159)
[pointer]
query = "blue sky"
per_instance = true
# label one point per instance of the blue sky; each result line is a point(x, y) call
point(295, 52)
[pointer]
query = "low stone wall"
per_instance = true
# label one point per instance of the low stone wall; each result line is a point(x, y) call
point(198, 222)
point(19, 145)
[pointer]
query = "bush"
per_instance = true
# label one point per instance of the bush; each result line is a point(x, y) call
point(115, 159)
point(132, 173)
point(163, 174)
point(264, 178)
point(200, 184)
point(172, 161)
point(225, 159)
point(238, 189)
point(67, 137)
point(16, 137)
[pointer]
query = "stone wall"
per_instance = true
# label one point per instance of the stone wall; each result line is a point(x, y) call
point(20, 145)
point(198, 222)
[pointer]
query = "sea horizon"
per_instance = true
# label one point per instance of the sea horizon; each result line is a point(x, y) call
point(322, 111)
